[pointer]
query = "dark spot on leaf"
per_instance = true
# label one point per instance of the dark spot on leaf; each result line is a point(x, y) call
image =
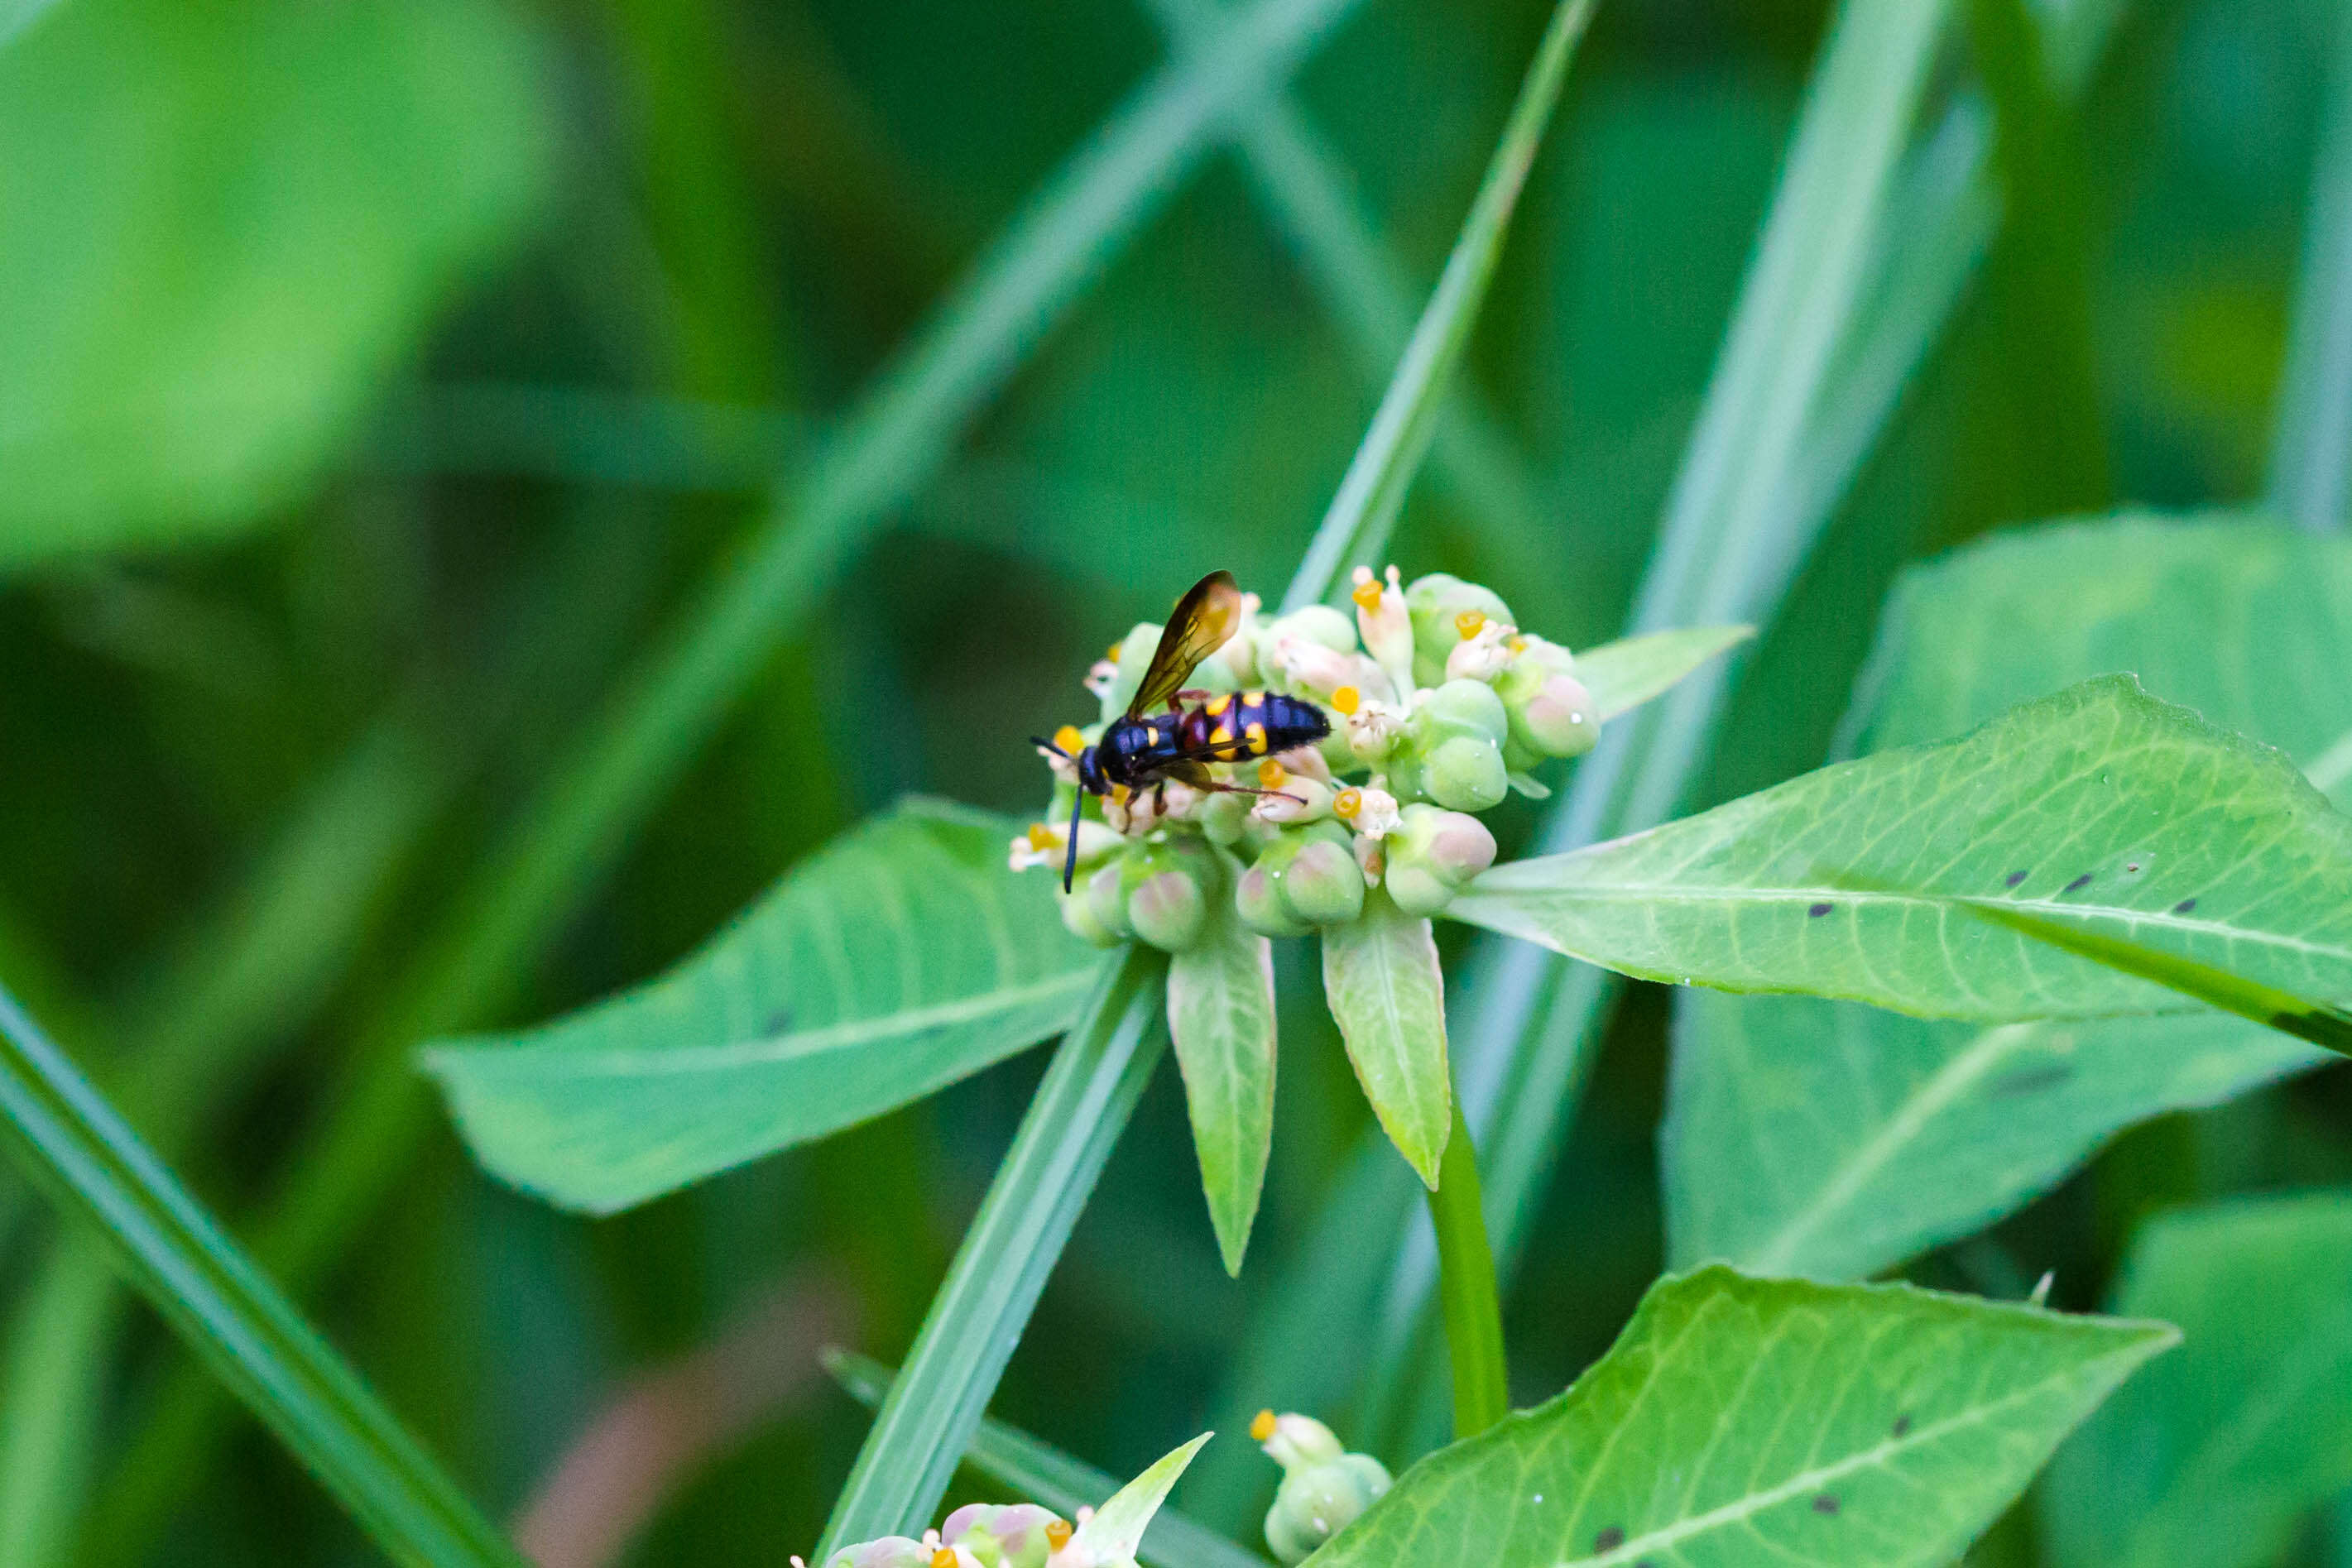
point(1902, 1425)
point(2015, 877)
point(2184, 907)
point(2031, 1081)
point(2082, 881)
point(1609, 1540)
point(1826, 1503)
point(778, 1022)
point(2132, 865)
point(1818, 910)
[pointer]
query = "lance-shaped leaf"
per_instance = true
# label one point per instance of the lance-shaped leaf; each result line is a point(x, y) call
point(1221, 1018)
point(1832, 1141)
point(2213, 1459)
point(1116, 1530)
point(894, 962)
point(1386, 992)
point(1632, 670)
point(1740, 1420)
point(2100, 814)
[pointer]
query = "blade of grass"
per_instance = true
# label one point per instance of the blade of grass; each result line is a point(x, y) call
point(2311, 450)
point(1063, 1482)
point(896, 437)
point(1355, 528)
point(1098, 1072)
point(72, 1143)
point(1305, 189)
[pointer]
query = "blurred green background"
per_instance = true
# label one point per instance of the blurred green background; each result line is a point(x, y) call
point(379, 383)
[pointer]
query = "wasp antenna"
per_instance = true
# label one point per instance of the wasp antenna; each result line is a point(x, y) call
point(1070, 859)
point(1042, 744)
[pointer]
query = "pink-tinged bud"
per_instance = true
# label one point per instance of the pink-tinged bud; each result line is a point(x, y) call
point(1322, 884)
point(1078, 915)
point(890, 1552)
point(1106, 900)
point(1006, 1535)
point(1558, 719)
point(1416, 890)
point(1168, 883)
point(1432, 855)
point(1224, 818)
point(1257, 898)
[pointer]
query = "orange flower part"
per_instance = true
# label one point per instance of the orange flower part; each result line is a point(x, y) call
point(1057, 1533)
point(1470, 622)
point(1270, 773)
point(1347, 699)
point(1262, 1423)
point(1366, 593)
point(944, 1557)
point(1344, 806)
point(1068, 739)
point(1041, 837)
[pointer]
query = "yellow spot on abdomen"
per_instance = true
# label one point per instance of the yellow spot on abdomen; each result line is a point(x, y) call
point(1252, 699)
point(1221, 736)
point(1152, 734)
point(1217, 705)
point(1256, 733)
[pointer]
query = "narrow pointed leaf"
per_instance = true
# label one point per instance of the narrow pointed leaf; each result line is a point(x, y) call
point(1221, 1017)
point(2214, 1456)
point(94, 1168)
point(1355, 528)
point(1886, 880)
point(1116, 1529)
point(1063, 1482)
point(1740, 1420)
point(1630, 671)
point(896, 961)
point(1831, 1141)
point(1381, 981)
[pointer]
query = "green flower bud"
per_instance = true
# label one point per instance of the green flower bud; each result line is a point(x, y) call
point(1317, 624)
point(1008, 1535)
point(1432, 855)
point(1257, 898)
point(1465, 707)
point(1078, 914)
point(1224, 817)
point(1106, 899)
point(1135, 650)
point(890, 1552)
point(1550, 710)
point(1323, 886)
point(1168, 882)
point(1437, 603)
point(1324, 1489)
point(1466, 774)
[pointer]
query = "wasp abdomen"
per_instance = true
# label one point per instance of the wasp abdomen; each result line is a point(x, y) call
point(1236, 727)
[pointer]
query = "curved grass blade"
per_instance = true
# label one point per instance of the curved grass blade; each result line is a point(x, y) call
point(1114, 1530)
point(230, 1314)
point(2311, 448)
point(1044, 1473)
point(1355, 528)
point(899, 433)
point(1623, 675)
point(1098, 1075)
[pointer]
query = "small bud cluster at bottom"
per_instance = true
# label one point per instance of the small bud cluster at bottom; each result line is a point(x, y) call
point(979, 1535)
point(1324, 1488)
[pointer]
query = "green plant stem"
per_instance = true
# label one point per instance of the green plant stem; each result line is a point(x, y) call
point(1466, 1288)
point(1080, 1108)
point(92, 1164)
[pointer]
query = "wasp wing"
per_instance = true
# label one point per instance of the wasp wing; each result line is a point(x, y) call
point(1205, 619)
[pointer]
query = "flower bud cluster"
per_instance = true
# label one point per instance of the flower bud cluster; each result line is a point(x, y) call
point(1324, 1488)
point(1439, 707)
point(978, 1535)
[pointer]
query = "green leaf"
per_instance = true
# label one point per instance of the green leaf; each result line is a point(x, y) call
point(1116, 1529)
point(1079, 1110)
point(2097, 814)
point(1044, 1473)
point(95, 1168)
point(898, 959)
point(1386, 992)
point(1786, 1157)
point(1832, 1141)
point(226, 225)
point(1355, 528)
point(2206, 611)
point(1632, 670)
point(1740, 1420)
point(2213, 1458)
point(1220, 1016)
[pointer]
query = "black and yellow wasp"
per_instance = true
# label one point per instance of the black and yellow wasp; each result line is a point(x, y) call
point(1143, 748)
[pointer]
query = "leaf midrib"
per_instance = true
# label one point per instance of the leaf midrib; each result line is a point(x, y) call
point(1813, 1479)
point(638, 1062)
